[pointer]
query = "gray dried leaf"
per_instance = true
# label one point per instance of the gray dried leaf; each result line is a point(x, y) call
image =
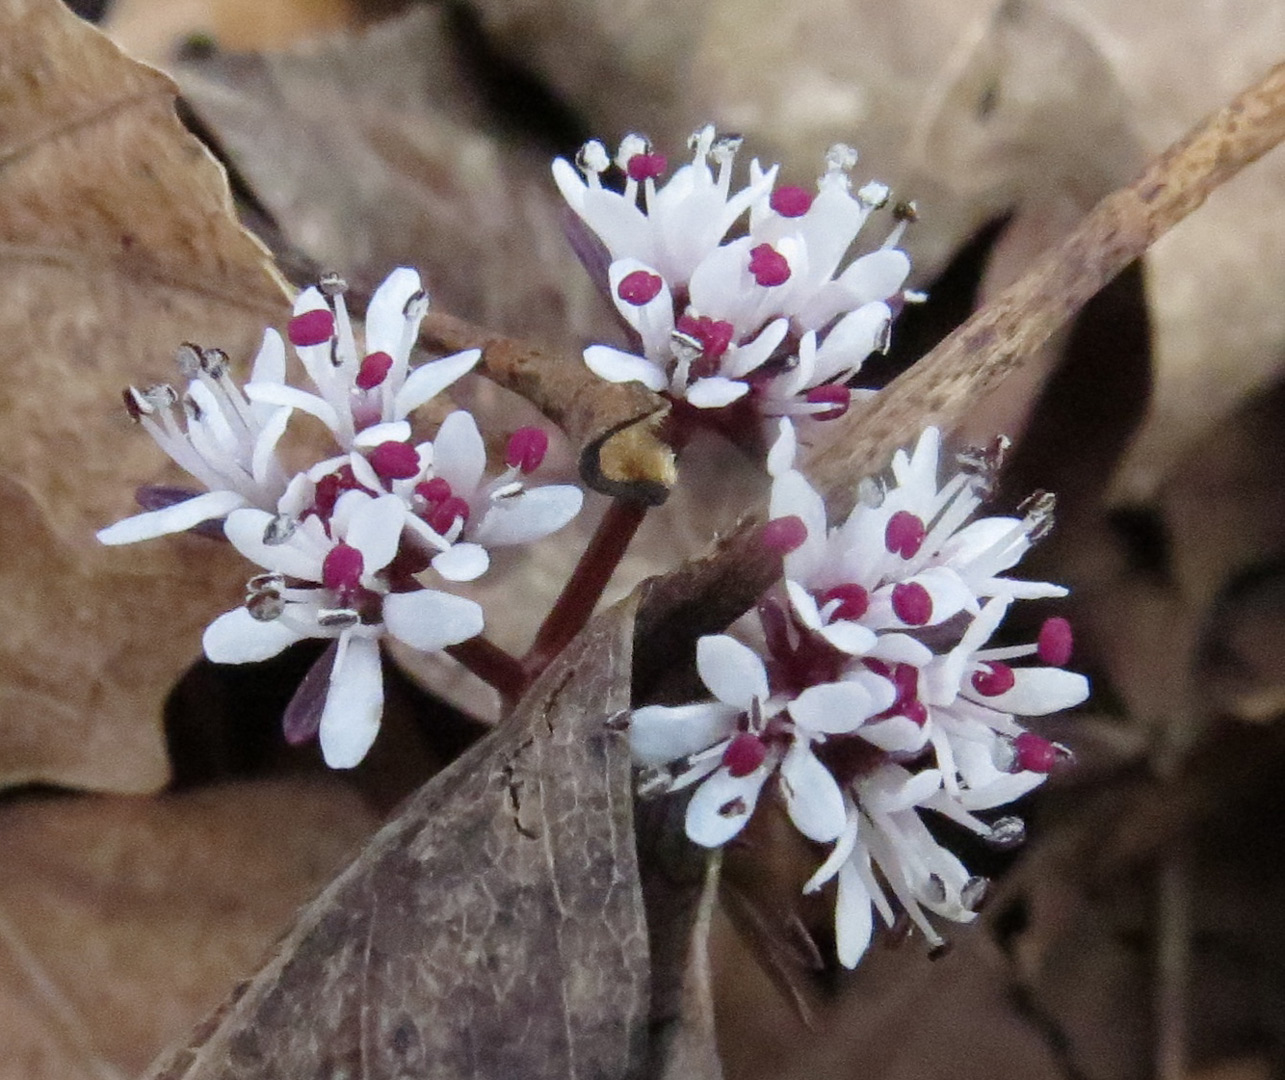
point(493, 929)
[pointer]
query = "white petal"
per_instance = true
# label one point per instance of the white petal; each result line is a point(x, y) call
point(804, 604)
point(236, 637)
point(715, 392)
point(893, 788)
point(754, 354)
point(833, 708)
point(459, 454)
point(393, 431)
point(385, 315)
point(350, 720)
point(876, 276)
point(897, 733)
point(733, 672)
point(172, 519)
point(376, 530)
point(261, 459)
point(428, 380)
point(462, 562)
point(707, 824)
point(618, 366)
point(812, 798)
point(429, 620)
point(780, 459)
point(793, 496)
point(534, 513)
point(662, 733)
point(294, 398)
point(901, 649)
point(853, 917)
point(245, 529)
point(1038, 691)
point(270, 363)
point(850, 637)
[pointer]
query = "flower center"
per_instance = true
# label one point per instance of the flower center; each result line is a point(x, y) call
point(342, 569)
point(394, 461)
point(374, 370)
point(526, 449)
point(784, 534)
point(1055, 642)
point(994, 678)
point(639, 287)
point(911, 603)
point(744, 754)
point(328, 490)
point(905, 534)
point(790, 201)
point(311, 328)
point(769, 266)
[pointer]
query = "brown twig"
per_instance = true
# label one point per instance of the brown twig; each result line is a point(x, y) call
point(617, 426)
point(963, 368)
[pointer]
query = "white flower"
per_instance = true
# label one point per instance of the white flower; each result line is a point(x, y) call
point(227, 442)
point(683, 220)
point(732, 745)
point(358, 389)
point(326, 580)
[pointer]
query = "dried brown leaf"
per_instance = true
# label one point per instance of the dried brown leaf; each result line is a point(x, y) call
point(123, 920)
point(494, 928)
point(119, 242)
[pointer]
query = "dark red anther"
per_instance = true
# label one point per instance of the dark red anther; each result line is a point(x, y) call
point(905, 534)
point(769, 266)
point(911, 603)
point(442, 516)
point(342, 568)
point(994, 678)
point(311, 328)
point(394, 460)
point(854, 601)
point(1035, 754)
point(639, 287)
point(714, 335)
point(1055, 642)
point(744, 754)
point(878, 667)
point(790, 201)
point(526, 449)
point(434, 490)
point(646, 167)
point(330, 487)
point(915, 711)
point(837, 397)
point(374, 370)
point(784, 534)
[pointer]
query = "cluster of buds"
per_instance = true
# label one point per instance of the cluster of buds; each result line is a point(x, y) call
point(351, 547)
point(776, 317)
point(878, 694)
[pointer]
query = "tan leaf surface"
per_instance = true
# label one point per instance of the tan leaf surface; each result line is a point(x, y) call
point(123, 919)
point(119, 242)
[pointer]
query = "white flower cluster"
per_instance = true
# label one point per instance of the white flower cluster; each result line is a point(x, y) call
point(773, 317)
point(879, 697)
point(343, 545)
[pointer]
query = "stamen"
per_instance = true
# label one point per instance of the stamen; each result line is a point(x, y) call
point(993, 679)
point(161, 396)
point(214, 362)
point(337, 618)
point(744, 754)
point(332, 284)
point(639, 288)
point(1055, 642)
point(311, 328)
point(395, 461)
point(769, 267)
point(874, 195)
point(733, 808)
point(784, 534)
point(724, 148)
point(911, 603)
point(1037, 514)
point(265, 583)
point(188, 358)
point(973, 892)
point(713, 336)
point(433, 491)
point(592, 158)
point(279, 530)
point(840, 157)
point(443, 516)
point(1035, 754)
point(136, 405)
point(373, 371)
point(904, 534)
point(265, 606)
point(790, 201)
point(1006, 832)
point(526, 449)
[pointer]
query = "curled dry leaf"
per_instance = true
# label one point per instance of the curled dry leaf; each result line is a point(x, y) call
point(494, 928)
point(122, 920)
point(119, 242)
